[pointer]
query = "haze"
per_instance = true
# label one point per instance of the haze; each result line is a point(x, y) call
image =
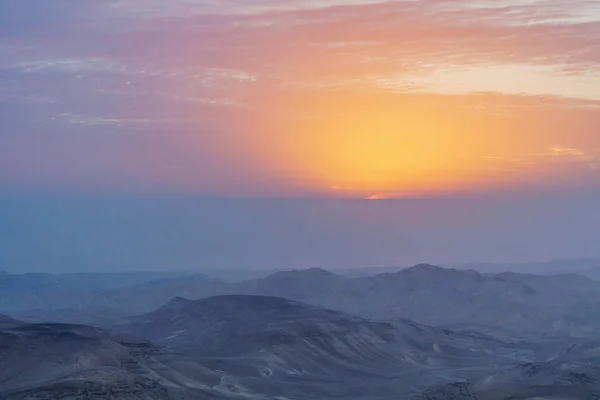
point(299, 199)
point(250, 134)
point(70, 234)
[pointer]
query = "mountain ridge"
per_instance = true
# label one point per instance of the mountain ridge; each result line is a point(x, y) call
point(425, 293)
point(296, 346)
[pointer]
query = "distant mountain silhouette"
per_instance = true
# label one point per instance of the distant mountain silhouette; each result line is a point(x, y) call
point(50, 292)
point(453, 298)
point(584, 267)
point(8, 322)
point(459, 299)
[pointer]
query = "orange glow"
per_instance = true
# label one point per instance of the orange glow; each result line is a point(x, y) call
point(307, 98)
point(371, 144)
point(387, 196)
point(364, 114)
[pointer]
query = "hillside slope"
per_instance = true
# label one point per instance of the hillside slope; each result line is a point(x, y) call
point(56, 361)
point(288, 348)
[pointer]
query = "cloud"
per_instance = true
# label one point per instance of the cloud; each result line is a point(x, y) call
point(389, 196)
point(319, 43)
point(560, 151)
point(70, 66)
point(592, 161)
point(237, 81)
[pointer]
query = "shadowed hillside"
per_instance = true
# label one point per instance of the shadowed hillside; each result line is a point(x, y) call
point(289, 346)
point(57, 361)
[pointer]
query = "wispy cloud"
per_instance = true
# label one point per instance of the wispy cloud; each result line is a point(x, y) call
point(265, 86)
point(593, 161)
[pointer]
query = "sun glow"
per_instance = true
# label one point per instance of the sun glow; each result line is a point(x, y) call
point(326, 99)
point(368, 114)
point(367, 145)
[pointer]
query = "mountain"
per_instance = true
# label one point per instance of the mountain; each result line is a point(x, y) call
point(556, 379)
point(369, 271)
point(554, 304)
point(315, 285)
point(570, 373)
point(93, 316)
point(306, 284)
point(568, 266)
point(58, 361)
point(68, 298)
point(527, 304)
point(149, 296)
point(458, 299)
point(263, 347)
point(522, 303)
point(8, 322)
point(589, 267)
point(287, 348)
point(591, 273)
point(238, 275)
point(40, 291)
point(36, 291)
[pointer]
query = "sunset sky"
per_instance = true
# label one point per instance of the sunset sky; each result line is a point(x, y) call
point(300, 98)
point(361, 99)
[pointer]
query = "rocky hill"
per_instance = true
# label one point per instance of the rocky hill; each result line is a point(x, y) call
point(287, 348)
point(57, 361)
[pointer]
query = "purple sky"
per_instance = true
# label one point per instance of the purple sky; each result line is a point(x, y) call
point(490, 108)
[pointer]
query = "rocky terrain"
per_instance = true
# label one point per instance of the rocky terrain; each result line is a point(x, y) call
point(421, 333)
point(556, 379)
point(286, 348)
point(57, 361)
point(264, 347)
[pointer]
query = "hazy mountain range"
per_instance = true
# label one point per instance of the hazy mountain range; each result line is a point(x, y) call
point(423, 332)
point(43, 291)
point(459, 299)
point(261, 347)
point(589, 267)
point(561, 304)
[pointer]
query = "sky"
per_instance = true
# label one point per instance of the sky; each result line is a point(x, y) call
point(309, 108)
